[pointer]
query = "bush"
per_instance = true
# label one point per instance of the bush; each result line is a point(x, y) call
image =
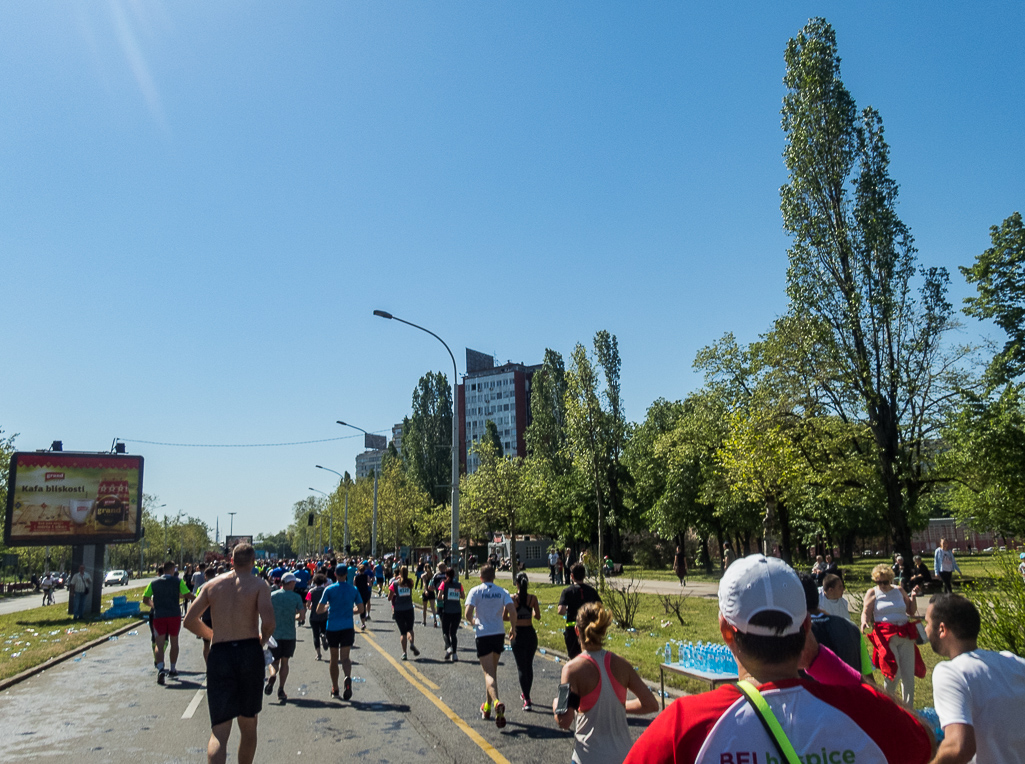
point(651, 553)
point(1001, 608)
point(622, 600)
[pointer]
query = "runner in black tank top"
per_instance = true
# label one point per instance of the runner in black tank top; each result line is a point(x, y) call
point(525, 644)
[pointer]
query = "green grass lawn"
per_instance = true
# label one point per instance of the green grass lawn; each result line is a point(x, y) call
point(644, 647)
point(31, 637)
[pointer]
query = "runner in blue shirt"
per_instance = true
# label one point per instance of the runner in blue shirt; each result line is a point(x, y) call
point(338, 601)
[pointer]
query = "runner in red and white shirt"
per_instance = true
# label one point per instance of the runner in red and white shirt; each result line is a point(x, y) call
point(763, 619)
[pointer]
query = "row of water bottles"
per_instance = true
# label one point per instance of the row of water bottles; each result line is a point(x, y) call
point(708, 657)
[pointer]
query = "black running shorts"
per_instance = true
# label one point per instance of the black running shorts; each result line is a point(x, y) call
point(234, 680)
point(404, 620)
point(341, 638)
point(285, 649)
point(494, 643)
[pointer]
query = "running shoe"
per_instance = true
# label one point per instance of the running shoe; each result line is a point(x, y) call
point(281, 695)
point(269, 687)
point(348, 689)
point(527, 706)
point(454, 656)
point(173, 673)
point(404, 657)
point(334, 692)
point(485, 711)
point(416, 653)
point(160, 676)
point(500, 715)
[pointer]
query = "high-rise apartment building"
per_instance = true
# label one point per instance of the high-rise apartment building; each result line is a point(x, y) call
point(498, 393)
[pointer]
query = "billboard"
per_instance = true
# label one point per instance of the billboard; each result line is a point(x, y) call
point(59, 497)
point(375, 442)
point(232, 541)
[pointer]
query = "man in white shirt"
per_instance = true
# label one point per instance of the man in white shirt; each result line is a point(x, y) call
point(487, 606)
point(80, 585)
point(978, 694)
point(553, 563)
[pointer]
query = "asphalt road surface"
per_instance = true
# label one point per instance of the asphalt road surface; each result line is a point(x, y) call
point(105, 706)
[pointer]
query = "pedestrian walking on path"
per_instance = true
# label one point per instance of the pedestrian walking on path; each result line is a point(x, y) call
point(680, 565)
point(944, 565)
point(487, 607)
point(243, 621)
point(165, 596)
point(287, 607)
point(340, 601)
point(525, 645)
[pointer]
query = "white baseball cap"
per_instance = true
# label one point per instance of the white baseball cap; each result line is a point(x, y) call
point(288, 578)
point(756, 584)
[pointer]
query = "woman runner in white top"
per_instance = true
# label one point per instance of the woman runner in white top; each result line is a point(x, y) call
point(598, 681)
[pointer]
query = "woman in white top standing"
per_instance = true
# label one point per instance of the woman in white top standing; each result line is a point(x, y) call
point(886, 614)
point(598, 681)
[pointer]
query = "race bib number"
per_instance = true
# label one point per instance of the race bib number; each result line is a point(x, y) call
point(453, 594)
point(404, 591)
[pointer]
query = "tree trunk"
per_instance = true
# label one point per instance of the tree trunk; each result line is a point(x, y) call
point(707, 555)
point(512, 546)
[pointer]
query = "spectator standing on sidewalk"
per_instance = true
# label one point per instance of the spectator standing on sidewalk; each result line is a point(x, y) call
point(79, 587)
point(979, 694)
point(47, 586)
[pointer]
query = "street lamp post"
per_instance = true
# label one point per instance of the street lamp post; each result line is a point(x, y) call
point(455, 427)
point(373, 521)
point(331, 529)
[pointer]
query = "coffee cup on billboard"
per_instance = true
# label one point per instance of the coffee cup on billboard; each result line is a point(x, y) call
point(80, 509)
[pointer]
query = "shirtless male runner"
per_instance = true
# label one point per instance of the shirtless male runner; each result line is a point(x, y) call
point(243, 621)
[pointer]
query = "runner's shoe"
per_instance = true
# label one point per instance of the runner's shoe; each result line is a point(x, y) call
point(161, 674)
point(269, 688)
point(500, 715)
point(348, 689)
point(404, 657)
point(281, 695)
point(416, 653)
point(527, 706)
point(334, 692)
point(173, 673)
point(454, 656)
point(485, 711)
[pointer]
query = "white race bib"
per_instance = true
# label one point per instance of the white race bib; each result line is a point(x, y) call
point(404, 591)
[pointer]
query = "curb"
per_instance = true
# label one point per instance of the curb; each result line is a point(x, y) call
point(30, 672)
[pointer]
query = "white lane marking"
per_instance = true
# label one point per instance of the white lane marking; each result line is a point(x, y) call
point(191, 710)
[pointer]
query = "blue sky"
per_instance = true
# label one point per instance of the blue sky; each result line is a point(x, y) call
point(201, 204)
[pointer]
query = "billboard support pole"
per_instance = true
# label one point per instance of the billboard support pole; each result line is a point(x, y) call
point(90, 555)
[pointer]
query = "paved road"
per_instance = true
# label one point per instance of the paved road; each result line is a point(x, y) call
point(107, 707)
point(28, 601)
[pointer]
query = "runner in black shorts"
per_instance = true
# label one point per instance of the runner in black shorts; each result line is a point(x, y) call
point(338, 602)
point(318, 621)
point(401, 595)
point(234, 680)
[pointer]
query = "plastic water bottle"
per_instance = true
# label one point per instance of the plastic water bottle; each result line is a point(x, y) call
point(669, 652)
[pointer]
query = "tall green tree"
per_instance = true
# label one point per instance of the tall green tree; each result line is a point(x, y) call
point(999, 278)
point(496, 494)
point(492, 437)
point(596, 430)
point(427, 437)
point(853, 270)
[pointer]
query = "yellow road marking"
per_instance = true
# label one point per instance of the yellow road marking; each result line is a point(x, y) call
point(419, 675)
point(483, 744)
